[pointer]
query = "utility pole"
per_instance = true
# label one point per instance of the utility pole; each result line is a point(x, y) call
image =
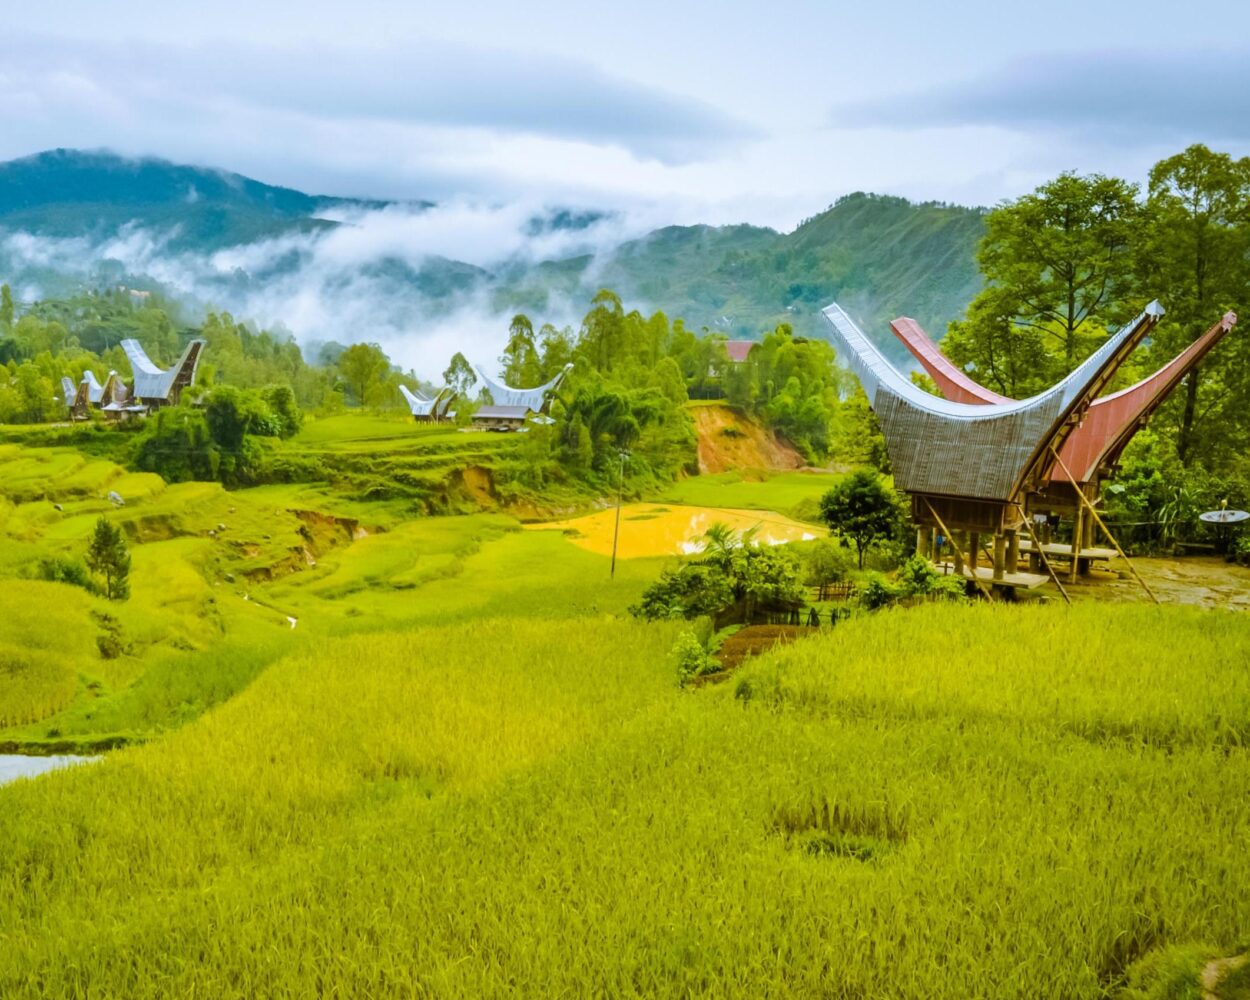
point(616, 531)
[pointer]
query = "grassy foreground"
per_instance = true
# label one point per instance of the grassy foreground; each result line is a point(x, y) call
point(942, 802)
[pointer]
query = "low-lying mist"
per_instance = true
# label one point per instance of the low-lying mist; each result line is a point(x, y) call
point(424, 282)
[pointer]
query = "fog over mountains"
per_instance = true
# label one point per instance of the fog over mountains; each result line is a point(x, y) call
point(426, 279)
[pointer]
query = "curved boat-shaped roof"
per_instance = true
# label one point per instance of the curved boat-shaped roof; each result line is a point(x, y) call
point(418, 402)
point(94, 389)
point(989, 452)
point(115, 390)
point(422, 405)
point(535, 398)
point(69, 391)
point(1111, 421)
point(950, 379)
point(152, 382)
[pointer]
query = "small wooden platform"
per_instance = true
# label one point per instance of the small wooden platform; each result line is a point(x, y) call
point(1025, 581)
point(1062, 550)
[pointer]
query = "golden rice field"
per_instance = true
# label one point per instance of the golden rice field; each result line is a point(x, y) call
point(947, 801)
point(652, 530)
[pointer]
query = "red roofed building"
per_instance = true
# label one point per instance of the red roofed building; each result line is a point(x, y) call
point(738, 350)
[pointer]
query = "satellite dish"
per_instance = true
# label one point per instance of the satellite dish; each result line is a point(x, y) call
point(1224, 516)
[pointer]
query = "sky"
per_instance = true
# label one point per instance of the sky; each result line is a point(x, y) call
point(681, 111)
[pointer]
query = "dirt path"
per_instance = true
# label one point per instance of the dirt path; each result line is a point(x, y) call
point(1205, 581)
point(1213, 974)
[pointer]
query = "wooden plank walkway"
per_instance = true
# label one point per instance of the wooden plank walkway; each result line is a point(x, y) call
point(1025, 581)
point(1062, 550)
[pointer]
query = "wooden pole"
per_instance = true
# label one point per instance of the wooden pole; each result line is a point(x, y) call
point(616, 529)
point(1077, 535)
point(1000, 556)
point(974, 544)
point(959, 556)
point(1013, 550)
point(1102, 524)
point(1037, 548)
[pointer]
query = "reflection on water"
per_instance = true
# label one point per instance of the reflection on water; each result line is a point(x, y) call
point(14, 766)
point(653, 530)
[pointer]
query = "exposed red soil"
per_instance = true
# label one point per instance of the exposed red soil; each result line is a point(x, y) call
point(756, 639)
point(731, 441)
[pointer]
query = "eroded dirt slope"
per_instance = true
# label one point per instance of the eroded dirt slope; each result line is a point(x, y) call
point(729, 440)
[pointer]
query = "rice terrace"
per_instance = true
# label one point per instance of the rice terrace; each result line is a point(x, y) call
point(472, 585)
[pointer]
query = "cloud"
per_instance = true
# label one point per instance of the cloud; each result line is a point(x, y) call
point(1145, 97)
point(384, 275)
point(417, 84)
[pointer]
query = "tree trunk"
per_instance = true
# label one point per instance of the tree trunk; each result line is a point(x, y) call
point(1184, 440)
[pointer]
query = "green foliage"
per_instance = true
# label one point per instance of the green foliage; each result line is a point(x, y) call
point(364, 368)
point(826, 563)
point(691, 659)
point(1057, 264)
point(918, 577)
point(459, 375)
point(735, 577)
point(1193, 254)
point(864, 509)
point(108, 556)
point(286, 413)
point(793, 385)
point(520, 359)
point(176, 444)
point(65, 569)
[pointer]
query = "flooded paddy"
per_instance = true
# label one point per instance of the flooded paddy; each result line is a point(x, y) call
point(14, 766)
point(649, 529)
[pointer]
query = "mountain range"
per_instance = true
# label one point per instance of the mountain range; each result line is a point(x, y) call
point(70, 218)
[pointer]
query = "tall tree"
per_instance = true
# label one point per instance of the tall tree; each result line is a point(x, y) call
point(364, 367)
point(1196, 257)
point(107, 555)
point(6, 309)
point(459, 375)
point(520, 362)
point(1058, 267)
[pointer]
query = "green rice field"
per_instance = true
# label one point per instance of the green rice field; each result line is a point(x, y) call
point(350, 752)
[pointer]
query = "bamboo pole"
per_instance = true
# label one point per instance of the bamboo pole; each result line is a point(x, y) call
point(1078, 533)
point(959, 558)
point(1037, 548)
point(1102, 524)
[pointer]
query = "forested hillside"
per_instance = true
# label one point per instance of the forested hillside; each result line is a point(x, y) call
point(70, 219)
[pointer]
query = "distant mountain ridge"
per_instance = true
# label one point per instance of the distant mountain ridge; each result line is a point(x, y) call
point(878, 255)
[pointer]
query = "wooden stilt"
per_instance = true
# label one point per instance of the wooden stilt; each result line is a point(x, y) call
point(1013, 550)
point(1077, 535)
point(959, 556)
point(1039, 551)
point(1102, 524)
point(974, 549)
point(1000, 555)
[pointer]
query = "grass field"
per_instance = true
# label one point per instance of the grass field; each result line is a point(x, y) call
point(794, 493)
point(534, 808)
point(219, 576)
point(373, 754)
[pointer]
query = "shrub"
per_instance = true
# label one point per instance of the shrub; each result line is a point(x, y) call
point(65, 569)
point(918, 577)
point(877, 593)
point(691, 659)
